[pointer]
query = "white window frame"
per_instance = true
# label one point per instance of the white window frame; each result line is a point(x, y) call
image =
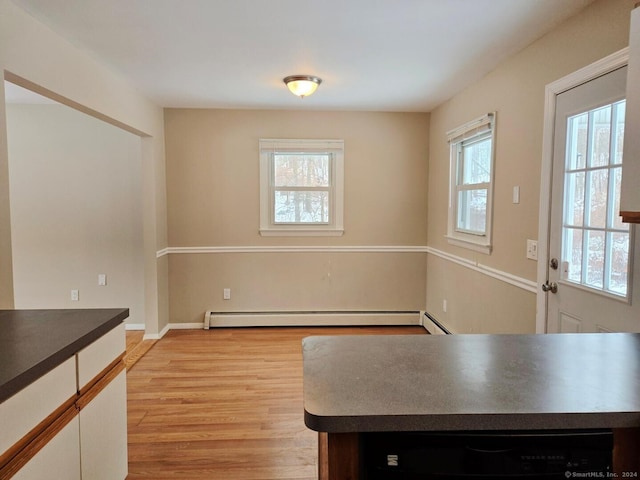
point(475, 129)
point(335, 226)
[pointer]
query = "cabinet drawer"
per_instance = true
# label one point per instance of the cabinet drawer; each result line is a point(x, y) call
point(96, 357)
point(30, 406)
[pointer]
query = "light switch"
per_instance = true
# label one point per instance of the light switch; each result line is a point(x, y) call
point(532, 249)
point(516, 194)
point(226, 294)
point(102, 279)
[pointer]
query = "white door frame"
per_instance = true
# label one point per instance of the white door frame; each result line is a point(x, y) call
point(601, 67)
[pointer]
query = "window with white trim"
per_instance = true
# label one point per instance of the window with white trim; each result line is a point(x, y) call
point(301, 187)
point(471, 188)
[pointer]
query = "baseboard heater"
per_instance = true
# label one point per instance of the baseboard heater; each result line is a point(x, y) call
point(433, 326)
point(310, 318)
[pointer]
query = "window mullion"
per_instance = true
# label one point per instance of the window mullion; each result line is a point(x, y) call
point(612, 156)
point(459, 165)
point(585, 257)
point(291, 188)
point(606, 281)
point(474, 186)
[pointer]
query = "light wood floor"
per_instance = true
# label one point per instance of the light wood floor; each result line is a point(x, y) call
point(136, 347)
point(134, 337)
point(225, 404)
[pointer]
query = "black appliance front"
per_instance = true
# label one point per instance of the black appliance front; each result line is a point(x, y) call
point(486, 455)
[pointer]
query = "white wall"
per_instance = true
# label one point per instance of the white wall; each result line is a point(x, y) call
point(34, 56)
point(76, 210)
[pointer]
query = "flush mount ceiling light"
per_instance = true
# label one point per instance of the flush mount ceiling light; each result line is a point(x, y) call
point(302, 85)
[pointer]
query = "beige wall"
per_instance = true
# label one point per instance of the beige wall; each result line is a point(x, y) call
point(76, 210)
point(497, 307)
point(213, 201)
point(516, 91)
point(33, 55)
point(212, 162)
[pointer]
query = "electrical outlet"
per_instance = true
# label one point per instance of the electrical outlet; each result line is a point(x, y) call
point(226, 294)
point(532, 249)
point(75, 295)
point(444, 306)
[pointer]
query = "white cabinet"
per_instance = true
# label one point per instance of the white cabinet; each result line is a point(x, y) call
point(71, 423)
point(630, 193)
point(103, 418)
point(23, 412)
point(104, 443)
point(93, 359)
point(59, 458)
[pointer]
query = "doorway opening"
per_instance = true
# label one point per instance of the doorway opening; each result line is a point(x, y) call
point(76, 208)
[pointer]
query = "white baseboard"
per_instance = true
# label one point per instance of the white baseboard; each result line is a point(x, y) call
point(309, 319)
point(185, 326)
point(134, 326)
point(435, 327)
point(293, 319)
point(156, 336)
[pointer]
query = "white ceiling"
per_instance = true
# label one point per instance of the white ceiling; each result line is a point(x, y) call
point(387, 55)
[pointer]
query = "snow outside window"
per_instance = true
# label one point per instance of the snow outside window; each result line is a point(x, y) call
point(301, 187)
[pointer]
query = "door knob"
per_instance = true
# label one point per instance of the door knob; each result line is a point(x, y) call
point(550, 287)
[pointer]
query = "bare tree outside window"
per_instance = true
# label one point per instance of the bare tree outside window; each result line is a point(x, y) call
point(301, 187)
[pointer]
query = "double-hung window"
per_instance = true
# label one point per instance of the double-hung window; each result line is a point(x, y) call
point(471, 188)
point(301, 187)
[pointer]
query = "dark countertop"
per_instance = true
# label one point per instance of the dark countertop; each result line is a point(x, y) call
point(34, 342)
point(471, 382)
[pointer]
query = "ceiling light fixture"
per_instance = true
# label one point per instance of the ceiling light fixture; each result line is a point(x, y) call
point(302, 85)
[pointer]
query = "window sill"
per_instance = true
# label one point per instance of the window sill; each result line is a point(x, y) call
point(463, 243)
point(300, 232)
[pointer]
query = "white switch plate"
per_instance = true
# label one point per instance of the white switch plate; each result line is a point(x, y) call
point(532, 249)
point(516, 194)
point(102, 279)
point(75, 295)
point(226, 294)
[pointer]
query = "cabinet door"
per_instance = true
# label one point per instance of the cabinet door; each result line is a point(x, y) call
point(103, 433)
point(33, 404)
point(630, 190)
point(60, 457)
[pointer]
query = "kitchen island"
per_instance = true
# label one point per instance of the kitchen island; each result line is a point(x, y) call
point(462, 383)
point(63, 394)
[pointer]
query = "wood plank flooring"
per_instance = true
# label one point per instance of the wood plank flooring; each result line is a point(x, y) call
point(134, 337)
point(136, 347)
point(225, 404)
